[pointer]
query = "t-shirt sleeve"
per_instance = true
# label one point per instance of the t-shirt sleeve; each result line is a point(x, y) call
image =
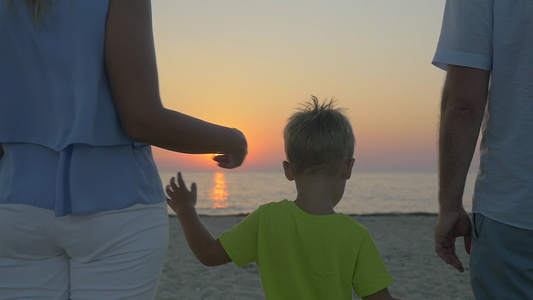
point(240, 242)
point(466, 35)
point(370, 275)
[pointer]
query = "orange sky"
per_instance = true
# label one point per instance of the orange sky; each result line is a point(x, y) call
point(247, 64)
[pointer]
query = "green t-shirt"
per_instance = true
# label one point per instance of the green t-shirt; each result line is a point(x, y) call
point(303, 256)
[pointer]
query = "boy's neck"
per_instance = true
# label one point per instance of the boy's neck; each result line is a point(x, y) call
point(314, 208)
point(319, 194)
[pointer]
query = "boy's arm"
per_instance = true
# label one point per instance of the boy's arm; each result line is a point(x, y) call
point(381, 295)
point(203, 244)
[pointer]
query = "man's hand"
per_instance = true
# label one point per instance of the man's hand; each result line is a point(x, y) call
point(450, 225)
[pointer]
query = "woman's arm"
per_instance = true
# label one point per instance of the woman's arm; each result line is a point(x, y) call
point(131, 67)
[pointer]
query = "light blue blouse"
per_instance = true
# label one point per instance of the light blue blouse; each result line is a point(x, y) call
point(65, 149)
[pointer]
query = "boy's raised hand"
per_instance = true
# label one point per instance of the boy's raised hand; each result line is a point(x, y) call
point(178, 196)
point(203, 244)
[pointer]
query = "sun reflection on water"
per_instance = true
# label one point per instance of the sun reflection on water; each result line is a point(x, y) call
point(219, 194)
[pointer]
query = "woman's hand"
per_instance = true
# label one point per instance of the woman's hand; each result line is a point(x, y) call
point(234, 159)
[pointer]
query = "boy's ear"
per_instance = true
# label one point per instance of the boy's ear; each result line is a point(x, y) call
point(288, 170)
point(347, 168)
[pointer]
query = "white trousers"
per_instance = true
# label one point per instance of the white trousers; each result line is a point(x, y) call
point(109, 255)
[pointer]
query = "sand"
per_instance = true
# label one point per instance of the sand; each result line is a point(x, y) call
point(404, 241)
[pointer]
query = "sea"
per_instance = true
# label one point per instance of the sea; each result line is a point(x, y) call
point(225, 193)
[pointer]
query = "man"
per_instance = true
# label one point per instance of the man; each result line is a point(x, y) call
point(486, 46)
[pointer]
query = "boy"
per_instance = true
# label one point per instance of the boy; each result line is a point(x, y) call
point(303, 249)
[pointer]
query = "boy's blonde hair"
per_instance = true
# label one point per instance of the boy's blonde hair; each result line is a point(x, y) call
point(318, 138)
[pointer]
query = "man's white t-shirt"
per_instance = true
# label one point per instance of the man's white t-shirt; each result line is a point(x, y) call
point(498, 36)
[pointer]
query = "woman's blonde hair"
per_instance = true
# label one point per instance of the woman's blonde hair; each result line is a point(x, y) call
point(36, 8)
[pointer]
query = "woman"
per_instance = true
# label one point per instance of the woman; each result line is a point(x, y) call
point(82, 211)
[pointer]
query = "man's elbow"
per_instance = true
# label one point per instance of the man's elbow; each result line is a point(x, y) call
point(465, 91)
point(470, 110)
point(462, 106)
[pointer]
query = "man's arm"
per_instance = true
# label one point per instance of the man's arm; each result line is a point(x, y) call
point(203, 244)
point(463, 104)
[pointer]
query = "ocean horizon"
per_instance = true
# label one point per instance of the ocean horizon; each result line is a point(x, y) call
point(223, 193)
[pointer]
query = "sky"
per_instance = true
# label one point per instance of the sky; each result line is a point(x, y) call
point(248, 64)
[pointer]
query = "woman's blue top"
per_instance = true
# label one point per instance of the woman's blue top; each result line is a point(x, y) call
point(65, 148)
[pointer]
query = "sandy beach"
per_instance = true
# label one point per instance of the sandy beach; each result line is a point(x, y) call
point(405, 243)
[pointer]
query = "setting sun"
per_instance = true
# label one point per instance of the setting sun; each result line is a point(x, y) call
point(252, 77)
